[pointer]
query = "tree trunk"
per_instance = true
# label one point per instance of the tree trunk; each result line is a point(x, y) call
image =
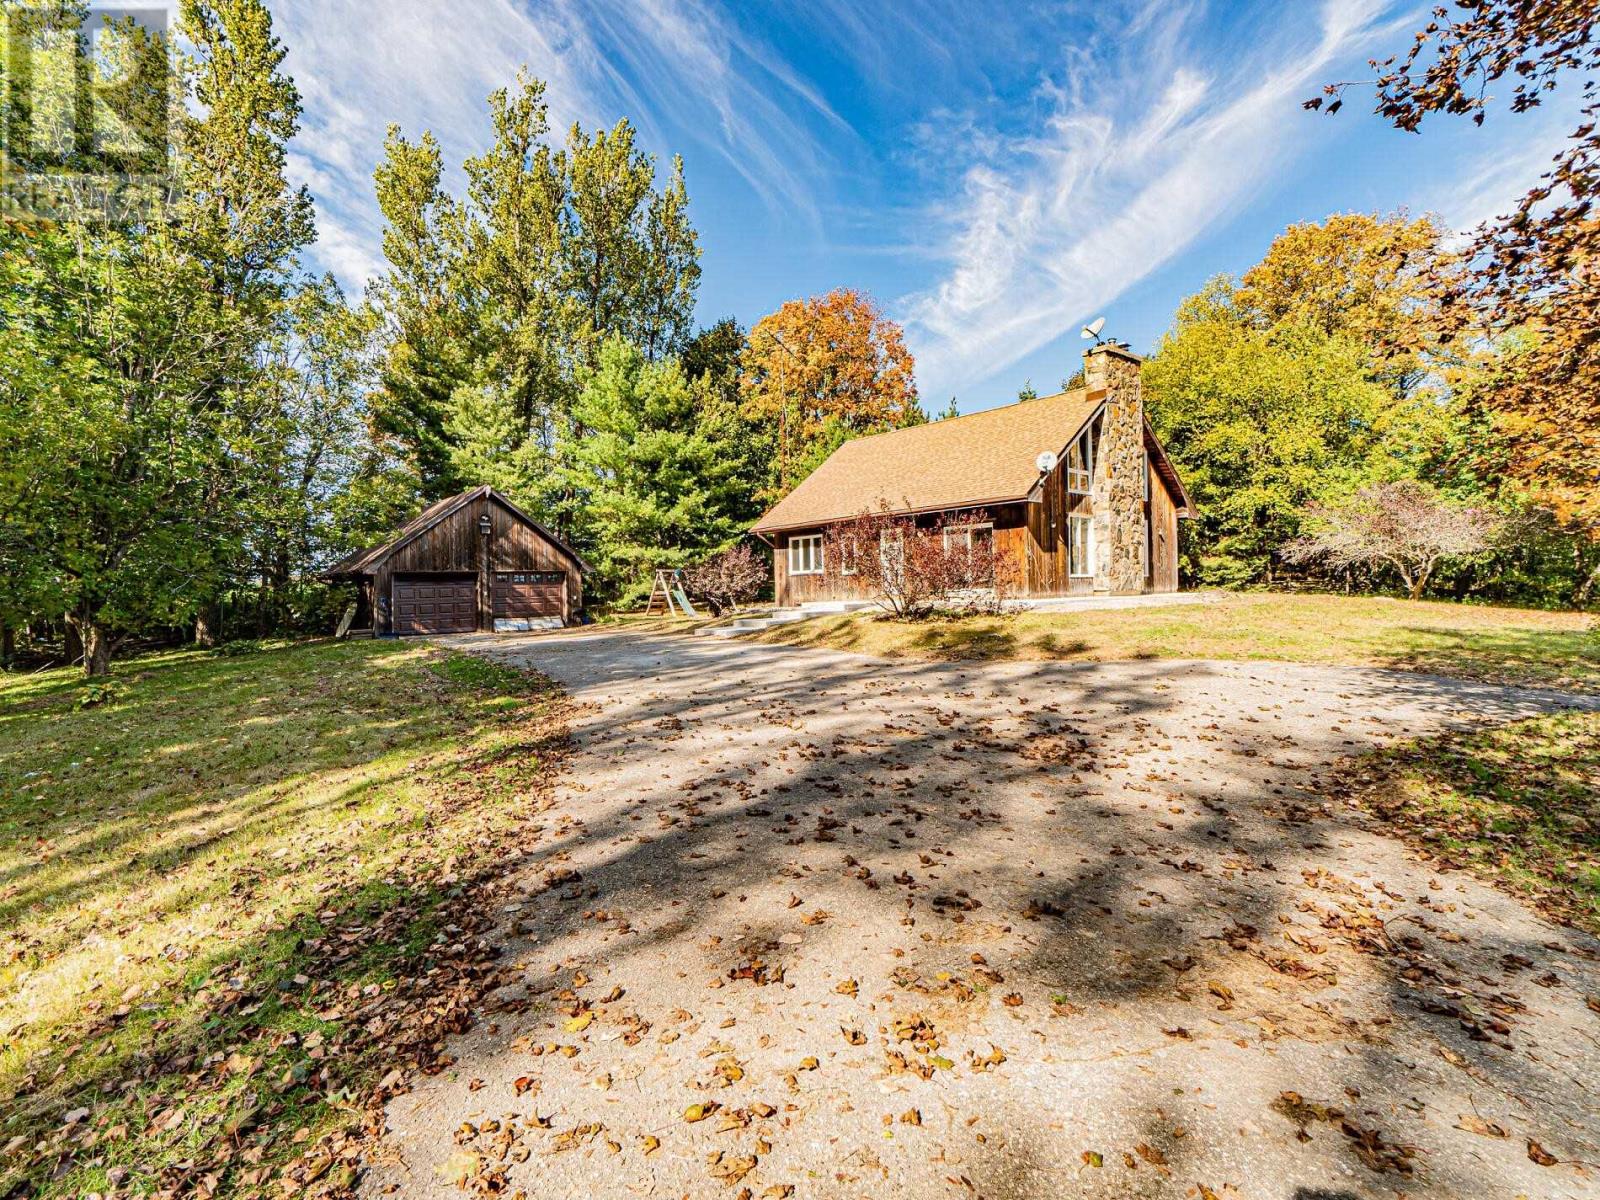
point(8, 644)
point(205, 626)
point(74, 641)
point(263, 616)
point(1419, 583)
point(97, 651)
point(1586, 588)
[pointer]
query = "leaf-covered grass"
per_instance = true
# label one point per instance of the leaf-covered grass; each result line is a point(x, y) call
point(235, 894)
point(1475, 642)
point(1519, 803)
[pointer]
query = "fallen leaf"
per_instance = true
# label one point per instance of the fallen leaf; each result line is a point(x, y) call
point(1473, 1123)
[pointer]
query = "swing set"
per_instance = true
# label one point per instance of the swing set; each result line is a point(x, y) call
point(671, 594)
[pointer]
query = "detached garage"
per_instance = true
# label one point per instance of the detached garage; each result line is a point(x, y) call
point(471, 562)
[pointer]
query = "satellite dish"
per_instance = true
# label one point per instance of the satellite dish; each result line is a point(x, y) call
point(1092, 330)
point(1046, 462)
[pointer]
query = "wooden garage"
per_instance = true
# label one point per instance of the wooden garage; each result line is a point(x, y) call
point(470, 562)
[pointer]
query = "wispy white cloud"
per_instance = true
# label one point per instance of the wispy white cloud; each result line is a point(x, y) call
point(1504, 162)
point(416, 63)
point(422, 64)
point(1140, 156)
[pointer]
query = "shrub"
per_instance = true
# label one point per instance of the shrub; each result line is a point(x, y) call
point(96, 695)
point(1405, 525)
point(912, 569)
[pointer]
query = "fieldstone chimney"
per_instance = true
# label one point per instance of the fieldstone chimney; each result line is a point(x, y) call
point(1119, 469)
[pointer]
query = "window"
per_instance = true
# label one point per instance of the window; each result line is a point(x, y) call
point(1080, 462)
point(805, 555)
point(891, 551)
point(1080, 549)
point(976, 540)
point(847, 558)
point(968, 536)
point(1144, 471)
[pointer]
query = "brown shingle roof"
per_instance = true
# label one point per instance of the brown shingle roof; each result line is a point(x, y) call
point(959, 462)
point(359, 562)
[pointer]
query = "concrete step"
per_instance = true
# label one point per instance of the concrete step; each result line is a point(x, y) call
point(786, 616)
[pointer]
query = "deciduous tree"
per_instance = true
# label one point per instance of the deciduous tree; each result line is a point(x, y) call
point(1373, 279)
point(1405, 525)
point(826, 368)
point(1265, 419)
point(1534, 268)
point(729, 577)
point(134, 425)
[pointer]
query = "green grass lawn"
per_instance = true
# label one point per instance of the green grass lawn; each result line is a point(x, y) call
point(1475, 642)
point(223, 903)
point(1519, 804)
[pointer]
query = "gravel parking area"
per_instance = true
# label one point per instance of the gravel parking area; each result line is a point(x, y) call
point(815, 924)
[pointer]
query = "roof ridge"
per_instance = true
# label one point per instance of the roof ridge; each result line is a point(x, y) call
point(982, 412)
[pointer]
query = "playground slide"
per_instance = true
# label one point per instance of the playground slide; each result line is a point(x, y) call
point(683, 602)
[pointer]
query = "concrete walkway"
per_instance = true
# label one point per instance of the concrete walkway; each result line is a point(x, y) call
point(813, 924)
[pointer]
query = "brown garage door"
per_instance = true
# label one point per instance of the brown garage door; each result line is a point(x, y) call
point(529, 593)
point(435, 605)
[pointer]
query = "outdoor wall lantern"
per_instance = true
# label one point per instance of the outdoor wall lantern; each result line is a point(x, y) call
point(483, 524)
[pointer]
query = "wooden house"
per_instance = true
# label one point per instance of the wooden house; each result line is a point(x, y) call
point(474, 561)
point(1074, 489)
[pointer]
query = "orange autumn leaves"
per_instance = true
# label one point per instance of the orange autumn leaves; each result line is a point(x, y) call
point(822, 369)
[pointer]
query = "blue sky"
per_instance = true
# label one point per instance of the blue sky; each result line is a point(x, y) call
point(994, 174)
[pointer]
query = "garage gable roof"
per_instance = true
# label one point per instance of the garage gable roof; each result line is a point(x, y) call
point(365, 562)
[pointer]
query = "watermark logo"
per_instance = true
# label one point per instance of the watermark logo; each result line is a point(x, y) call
point(86, 103)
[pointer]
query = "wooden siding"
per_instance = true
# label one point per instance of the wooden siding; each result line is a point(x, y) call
point(1032, 536)
point(1047, 563)
point(1010, 539)
point(1163, 534)
point(790, 590)
point(453, 546)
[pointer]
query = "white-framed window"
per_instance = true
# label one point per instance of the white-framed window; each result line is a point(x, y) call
point(975, 540)
point(805, 555)
point(848, 550)
point(1080, 462)
point(1080, 547)
point(968, 536)
point(891, 550)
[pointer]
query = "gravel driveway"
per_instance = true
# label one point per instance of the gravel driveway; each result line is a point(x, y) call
point(816, 924)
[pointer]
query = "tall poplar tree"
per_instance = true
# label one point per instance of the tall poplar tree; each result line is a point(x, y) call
point(495, 303)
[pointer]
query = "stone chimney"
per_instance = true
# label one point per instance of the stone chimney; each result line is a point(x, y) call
point(1118, 470)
